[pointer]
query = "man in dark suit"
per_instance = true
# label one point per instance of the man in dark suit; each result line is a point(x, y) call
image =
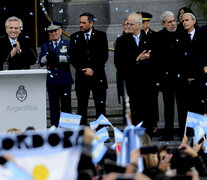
point(54, 54)
point(17, 50)
point(196, 64)
point(89, 53)
point(171, 64)
point(133, 63)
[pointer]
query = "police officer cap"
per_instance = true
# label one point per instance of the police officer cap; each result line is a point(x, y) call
point(53, 25)
point(145, 16)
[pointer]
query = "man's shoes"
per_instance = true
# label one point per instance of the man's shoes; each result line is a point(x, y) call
point(166, 138)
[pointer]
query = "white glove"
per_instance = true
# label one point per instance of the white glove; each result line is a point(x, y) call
point(44, 59)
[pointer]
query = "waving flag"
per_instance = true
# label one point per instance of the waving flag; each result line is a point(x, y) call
point(101, 120)
point(98, 151)
point(131, 141)
point(101, 135)
point(11, 171)
point(198, 134)
point(50, 166)
point(193, 119)
point(118, 135)
point(68, 120)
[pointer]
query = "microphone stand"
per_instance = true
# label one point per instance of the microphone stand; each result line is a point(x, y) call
point(6, 64)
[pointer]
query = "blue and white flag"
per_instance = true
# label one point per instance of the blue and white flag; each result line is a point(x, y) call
point(131, 141)
point(101, 135)
point(101, 120)
point(193, 119)
point(98, 152)
point(68, 120)
point(198, 134)
point(60, 165)
point(205, 146)
point(11, 171)
point(118, 135)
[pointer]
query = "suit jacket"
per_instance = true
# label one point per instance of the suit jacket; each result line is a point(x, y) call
point(196, 56)
point(94, 56)
point(58, 72)
point(128, 69)
point(24, 60)
point(170, 52)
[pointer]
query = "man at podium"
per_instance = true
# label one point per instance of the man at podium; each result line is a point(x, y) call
point(54, 55)
point(17, 51)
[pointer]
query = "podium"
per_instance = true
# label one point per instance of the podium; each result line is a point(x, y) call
point(23, 99)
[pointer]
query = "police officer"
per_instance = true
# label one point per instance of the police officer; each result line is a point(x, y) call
point(146, 17)
point(54, 55)
point(146, 21)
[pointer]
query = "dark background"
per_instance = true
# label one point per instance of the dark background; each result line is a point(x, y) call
point(23, 9)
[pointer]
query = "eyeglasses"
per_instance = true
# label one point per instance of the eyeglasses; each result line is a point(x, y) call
point(130, 24)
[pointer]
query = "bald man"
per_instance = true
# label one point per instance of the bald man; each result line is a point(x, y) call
point(132, 60)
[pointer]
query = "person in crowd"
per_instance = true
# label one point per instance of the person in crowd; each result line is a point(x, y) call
point(196, 64)
point(169, 52)
point(14, 130)
point(54, 55)
point(17, 50)
point(146, 21)
point(182, 11)
point(88, 54)
point(119, 78)
point(203, 34)
point(132, 61)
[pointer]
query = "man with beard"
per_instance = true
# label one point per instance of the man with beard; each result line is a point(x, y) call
point(89, 53)
point(171, 66)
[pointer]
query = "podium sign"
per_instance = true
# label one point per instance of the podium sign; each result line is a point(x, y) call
point(23, 99)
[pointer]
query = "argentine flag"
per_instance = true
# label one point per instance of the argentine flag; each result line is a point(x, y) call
point(101, 135)
point(193, 119)
point(131, 141)
point(101, 120)
point(68, 120)
point(118, 135)
point(98, 151)
point(198, 134)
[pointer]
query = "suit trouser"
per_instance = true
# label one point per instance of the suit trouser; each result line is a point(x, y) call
point(172, 90)
point(99, 97)
point(59, 101)
point(140, 99)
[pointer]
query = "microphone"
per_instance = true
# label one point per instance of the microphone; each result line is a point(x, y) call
point(14, 45)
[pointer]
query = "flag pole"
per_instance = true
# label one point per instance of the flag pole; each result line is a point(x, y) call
point(127, 106)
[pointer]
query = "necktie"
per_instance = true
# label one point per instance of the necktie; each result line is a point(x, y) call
point(189, 34)
point(56, 45)
point(136, 38)
point(87, 38)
